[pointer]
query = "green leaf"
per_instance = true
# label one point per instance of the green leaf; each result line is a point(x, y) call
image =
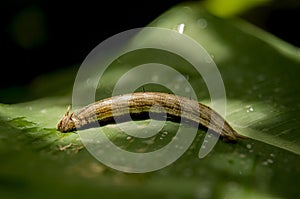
point(260, 76)
point(231, 7)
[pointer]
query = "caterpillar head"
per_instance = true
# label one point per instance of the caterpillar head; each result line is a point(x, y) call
point(66, 124)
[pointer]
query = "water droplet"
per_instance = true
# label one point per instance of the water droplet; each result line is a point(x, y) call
point(180, 28)
point(202, 23)
point(249, 146)
point(270, 161)
point(165, 133)
point(272, 155)
point(43, 111)
point(249, 109)
point(128, 138)
point(203, 146)
point(161, 138)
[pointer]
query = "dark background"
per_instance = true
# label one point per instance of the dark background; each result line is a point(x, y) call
point(42, 36)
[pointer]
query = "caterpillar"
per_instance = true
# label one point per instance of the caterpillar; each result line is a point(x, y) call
point(161, 106)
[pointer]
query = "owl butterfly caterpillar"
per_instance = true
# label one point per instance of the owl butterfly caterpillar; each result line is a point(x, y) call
point(140, 106)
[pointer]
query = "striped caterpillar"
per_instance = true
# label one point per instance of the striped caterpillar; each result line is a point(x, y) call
point(140, 105)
